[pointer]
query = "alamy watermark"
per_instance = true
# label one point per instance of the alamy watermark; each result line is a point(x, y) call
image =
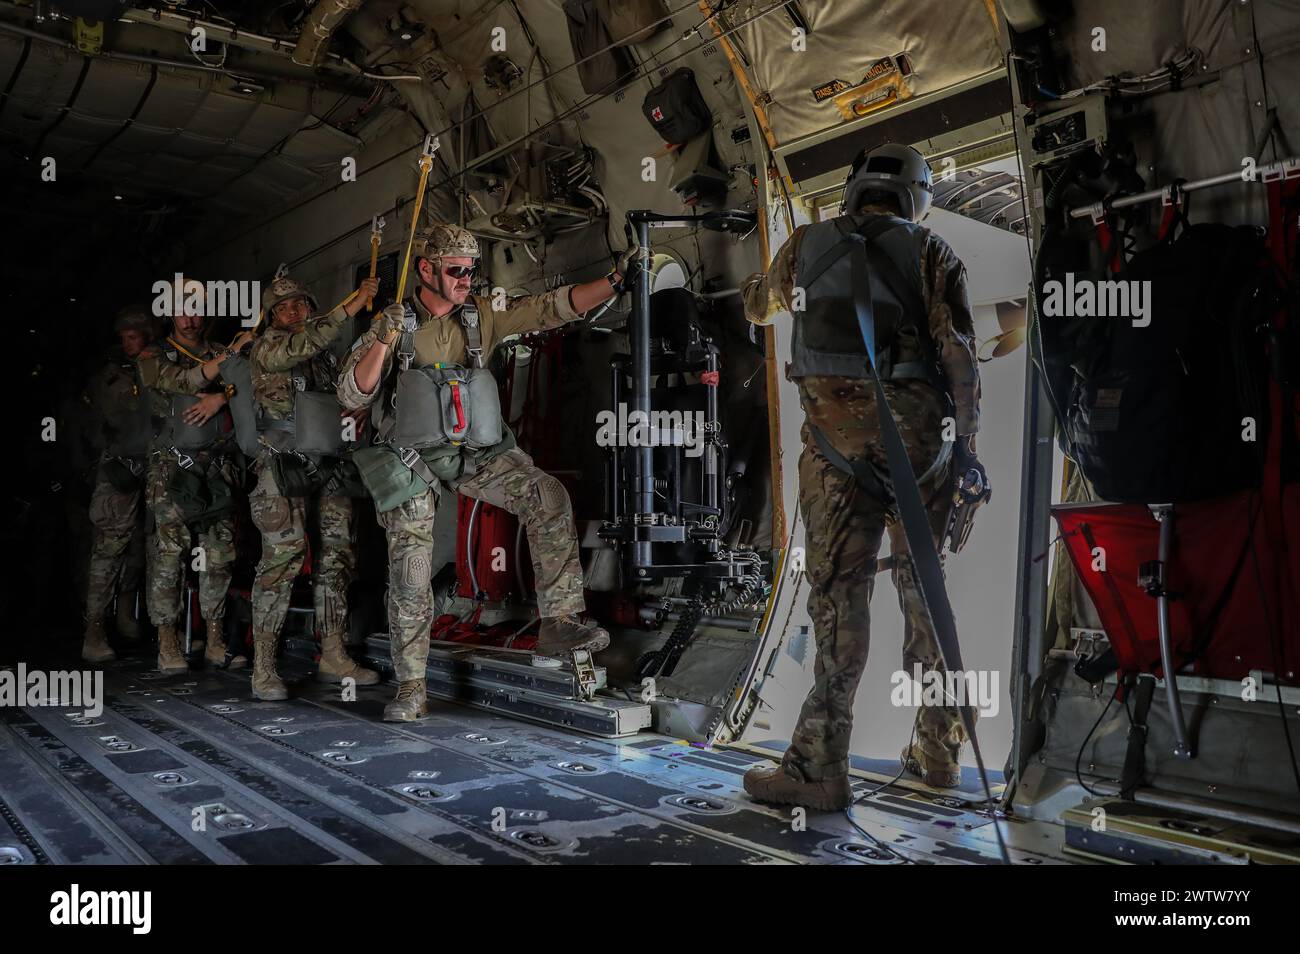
point(26, 688)
point(977, 688)
point(1085, 298)
point(624, 428)
point(76, 907)
point(189, 296)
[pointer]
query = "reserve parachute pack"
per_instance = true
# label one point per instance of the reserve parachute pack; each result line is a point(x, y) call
point(315, 426)
point(443, 403)
point(446, 404)
point(429, 416)
point(185, 437)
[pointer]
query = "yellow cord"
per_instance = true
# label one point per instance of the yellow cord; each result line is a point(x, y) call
point(189, 354)
point(426, 163)
point(374, 265)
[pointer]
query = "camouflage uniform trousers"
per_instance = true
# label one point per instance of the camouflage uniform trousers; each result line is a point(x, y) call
point(116, 551)
point(282, 522)
point(514, 483)
point(845, 527)
point(172, 553)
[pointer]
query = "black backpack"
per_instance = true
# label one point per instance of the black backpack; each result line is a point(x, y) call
point(1154, 414)
point(676, 109)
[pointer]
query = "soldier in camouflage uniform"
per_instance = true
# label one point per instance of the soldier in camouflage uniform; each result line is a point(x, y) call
point(502, 475)
point(122, 426)
point(294, 356)
point(845, 523)
point(187, 362)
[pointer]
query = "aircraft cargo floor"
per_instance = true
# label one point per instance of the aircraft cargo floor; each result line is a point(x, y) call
point(190, 770)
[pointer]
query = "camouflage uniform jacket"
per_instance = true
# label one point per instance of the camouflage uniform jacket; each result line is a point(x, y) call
point(951, 326)
point(443, 339)
point(286, 362)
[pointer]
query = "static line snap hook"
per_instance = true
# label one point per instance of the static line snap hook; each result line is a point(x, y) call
point(282, 270)
point(430, 147)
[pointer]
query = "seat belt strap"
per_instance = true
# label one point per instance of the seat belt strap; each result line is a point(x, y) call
point(928, 572)
point(1135, 756)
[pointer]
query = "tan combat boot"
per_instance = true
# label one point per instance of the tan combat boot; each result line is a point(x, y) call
point(936, 776)
point(128, 627)
point(214, 654)
point(779, 785)
point(95, 648)
point(561, 635)
point(336, 665)
point(266, 681)
point(410, 703)
point(170, 658)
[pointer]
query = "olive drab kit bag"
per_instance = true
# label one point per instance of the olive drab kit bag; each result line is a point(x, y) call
point(602, 63)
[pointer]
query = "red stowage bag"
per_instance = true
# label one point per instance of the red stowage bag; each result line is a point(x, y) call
point(1235, 607)
point(447, 629)
point(493, 528)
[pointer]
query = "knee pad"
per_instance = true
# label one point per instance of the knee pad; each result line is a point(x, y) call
point(415, 571)
point(554, 498)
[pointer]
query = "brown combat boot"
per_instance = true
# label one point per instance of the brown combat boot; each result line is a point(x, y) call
point(778, 785)
point(216, 650)
point(940, 776)
point(410, 703)
point(170, 658)
point(95, 648)
point(266, 681)
point(336, 665)
point(561, 635)
point(128, 627)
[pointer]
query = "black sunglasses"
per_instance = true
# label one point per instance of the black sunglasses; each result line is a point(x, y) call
point(459, 271)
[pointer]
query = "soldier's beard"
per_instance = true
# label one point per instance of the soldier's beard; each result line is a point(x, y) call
point(187, 332)
point(440, 300)
point(456, 294)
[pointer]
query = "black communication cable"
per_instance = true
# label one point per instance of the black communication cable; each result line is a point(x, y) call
point(1078, 759)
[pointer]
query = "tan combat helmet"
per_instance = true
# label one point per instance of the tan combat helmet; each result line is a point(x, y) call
point(282, 288)
point(445, 241)
point(136, 318)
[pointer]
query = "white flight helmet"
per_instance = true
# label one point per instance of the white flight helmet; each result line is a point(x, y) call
point(894, 168)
